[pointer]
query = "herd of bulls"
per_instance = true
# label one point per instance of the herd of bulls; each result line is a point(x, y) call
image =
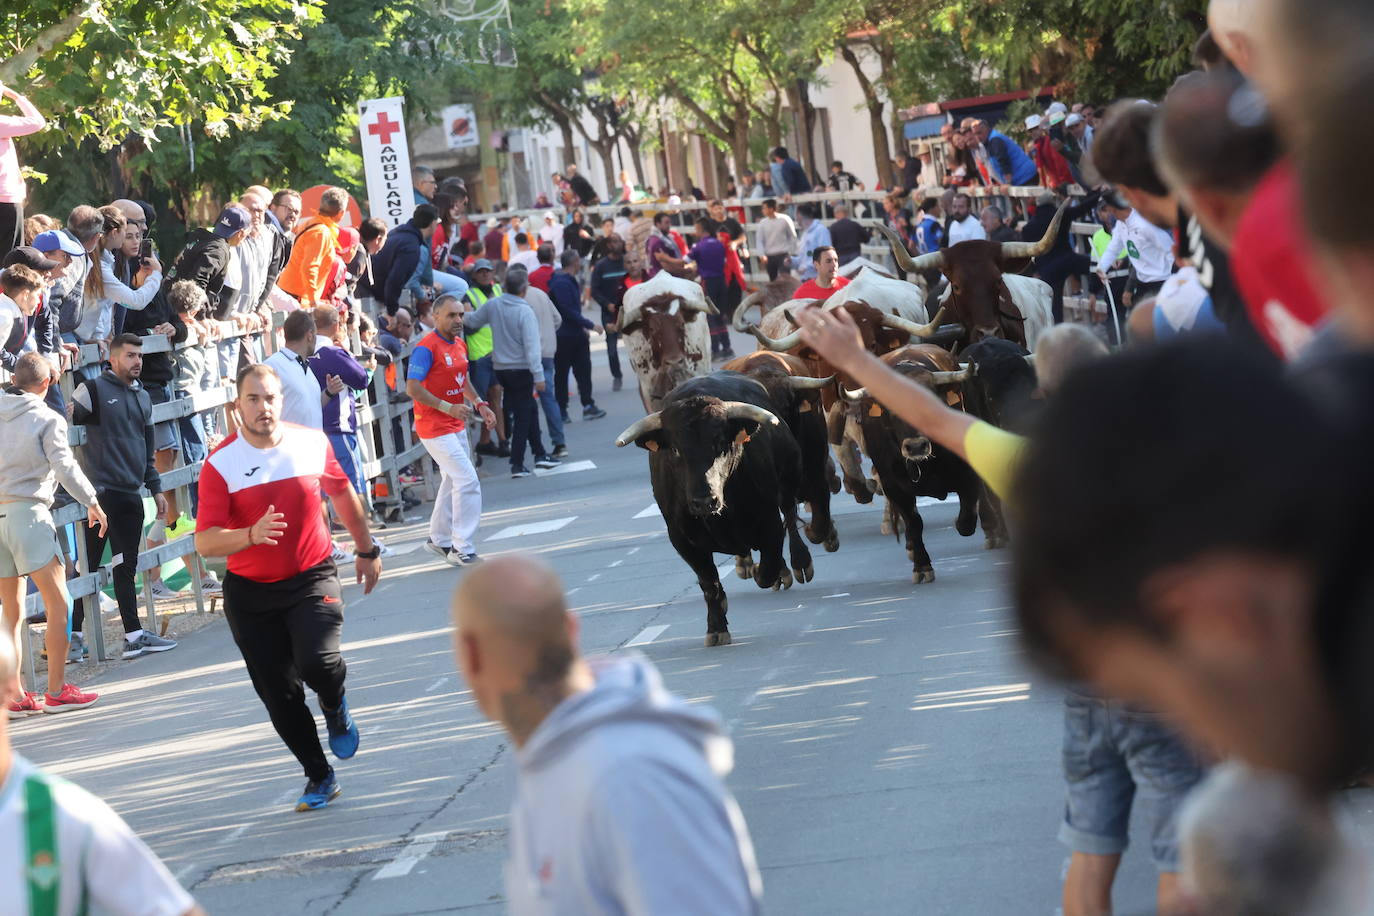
point(732, 453)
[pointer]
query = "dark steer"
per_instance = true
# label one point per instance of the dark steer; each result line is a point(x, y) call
point(725, 474)
point(1002, 392)
point(796, 398)
point(908, 464)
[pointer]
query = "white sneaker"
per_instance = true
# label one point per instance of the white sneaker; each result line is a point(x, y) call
point(338, 555)
point(385, 550)
point(161, 589)
point(211, 584)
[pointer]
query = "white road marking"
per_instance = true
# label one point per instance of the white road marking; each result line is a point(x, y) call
point(572, 591)
point(648, 635)
point(437, 684)
point(184, 872)
point(515, 531)
point(649, 512)
point(838, 595)
point(615, 564)
point(411, 856)
point(566, 469)
point(632, 551)
point(593, 577)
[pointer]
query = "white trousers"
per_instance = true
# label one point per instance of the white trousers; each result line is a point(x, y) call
point(458, 506)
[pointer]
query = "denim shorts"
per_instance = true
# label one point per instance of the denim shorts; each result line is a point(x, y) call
point(1112, 753)
point(483, 375)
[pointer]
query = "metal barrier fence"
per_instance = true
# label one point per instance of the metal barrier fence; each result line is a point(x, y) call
point(385, 436)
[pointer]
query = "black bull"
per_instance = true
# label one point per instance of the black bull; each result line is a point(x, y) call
point(725, 474)
point(909, 465)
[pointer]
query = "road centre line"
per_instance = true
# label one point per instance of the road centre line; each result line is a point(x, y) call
point(412, 855)
point(593, 577)
point(615, 564)
point(437, 684)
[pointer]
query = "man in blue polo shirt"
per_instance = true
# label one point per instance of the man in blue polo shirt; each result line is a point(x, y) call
point(1009, 163)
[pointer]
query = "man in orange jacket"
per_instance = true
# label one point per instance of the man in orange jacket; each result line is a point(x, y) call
point(312, 255)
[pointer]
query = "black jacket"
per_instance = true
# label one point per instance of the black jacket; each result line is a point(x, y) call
point(157, 367)
point(847, 236)
point(583, 189)
point(281, 253)
point(204, 261)
point(118, 454)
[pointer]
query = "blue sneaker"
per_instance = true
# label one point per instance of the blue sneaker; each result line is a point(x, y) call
point(343, 731)
point(319, 794)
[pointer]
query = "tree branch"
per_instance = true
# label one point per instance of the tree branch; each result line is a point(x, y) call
point(13, 69)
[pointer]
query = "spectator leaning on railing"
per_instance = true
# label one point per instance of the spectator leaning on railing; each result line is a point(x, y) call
point(77, 240)
point(312, 254)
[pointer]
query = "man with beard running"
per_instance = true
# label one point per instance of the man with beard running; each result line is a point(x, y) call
point(260, 496)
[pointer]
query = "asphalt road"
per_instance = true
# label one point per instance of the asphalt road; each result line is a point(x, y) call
point(893, 753)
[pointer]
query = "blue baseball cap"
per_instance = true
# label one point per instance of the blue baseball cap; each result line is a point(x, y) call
point(232, 219)
point(52, 240)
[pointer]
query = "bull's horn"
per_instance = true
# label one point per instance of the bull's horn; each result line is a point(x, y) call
point(754, 298)
point(1030, 359)
point(741, 410)
point(709, 308)
point(935, 260)
point(791, 319)
point(921, 331)
point(808, 383)
point(1036, 249)
point(953, 378)
point(780, 345)
point(858, 394)
point(650, 424)
point(628, 316)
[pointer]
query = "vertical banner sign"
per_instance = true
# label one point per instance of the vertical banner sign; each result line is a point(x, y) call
point(386, 157)
point(460, 126)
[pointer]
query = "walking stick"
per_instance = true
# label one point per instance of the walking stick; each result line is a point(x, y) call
point(1111, 304)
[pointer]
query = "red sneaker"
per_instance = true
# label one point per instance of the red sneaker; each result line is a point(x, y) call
point(27, 705)
point(69, 698)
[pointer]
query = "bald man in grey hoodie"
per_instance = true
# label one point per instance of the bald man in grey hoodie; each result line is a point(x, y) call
point(620, 805)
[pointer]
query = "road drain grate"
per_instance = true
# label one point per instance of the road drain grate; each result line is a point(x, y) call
point(377, 854)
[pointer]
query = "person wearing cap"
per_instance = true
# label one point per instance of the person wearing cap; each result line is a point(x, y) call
point(12, 191)
point(77, 240)
point(36, 331)
point(1054, 168)
point(312, 254)
point(552, 233)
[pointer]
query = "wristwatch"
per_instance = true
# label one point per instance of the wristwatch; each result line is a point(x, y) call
point(372, 554)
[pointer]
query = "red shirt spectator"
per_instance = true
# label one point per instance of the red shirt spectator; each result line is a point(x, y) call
point(539, 277)
point(1271, 260)
point(812, 290)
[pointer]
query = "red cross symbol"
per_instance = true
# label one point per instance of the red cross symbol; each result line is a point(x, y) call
point(383, 127)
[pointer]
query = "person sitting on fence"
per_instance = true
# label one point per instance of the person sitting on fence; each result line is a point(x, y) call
point(34, 458)
point(118, 458)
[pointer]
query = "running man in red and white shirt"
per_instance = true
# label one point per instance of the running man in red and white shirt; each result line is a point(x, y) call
point(437, 380)
point(260, 494)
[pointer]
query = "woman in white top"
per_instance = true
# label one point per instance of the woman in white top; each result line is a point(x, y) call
point(104, 287)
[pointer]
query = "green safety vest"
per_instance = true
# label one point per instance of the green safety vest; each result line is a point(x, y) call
point(479, 341)
point(42, 869)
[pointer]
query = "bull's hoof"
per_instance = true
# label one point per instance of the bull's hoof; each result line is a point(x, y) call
point(964, 526)
point(784, 580)
point(874, 486)
point(805, 573)
point(718, 639)
point(885, 528)
point(923, 575)
point(995, 542)
point(862, 497)
point(834, 484)
point(832, 540)
point(744, 567)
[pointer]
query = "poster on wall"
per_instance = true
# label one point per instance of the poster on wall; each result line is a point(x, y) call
point(460, 126)
point(386, 158)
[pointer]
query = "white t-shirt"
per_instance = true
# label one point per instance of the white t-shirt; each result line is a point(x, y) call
point(965, 229)
point(1150, 248)
point(300, 390)
point(10, 315)
point(528, 258)
point(96, 851)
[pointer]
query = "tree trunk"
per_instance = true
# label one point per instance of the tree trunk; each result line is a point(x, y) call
point(882, 152)
point(739, 145)
point(807, 152)
point(633, 138)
